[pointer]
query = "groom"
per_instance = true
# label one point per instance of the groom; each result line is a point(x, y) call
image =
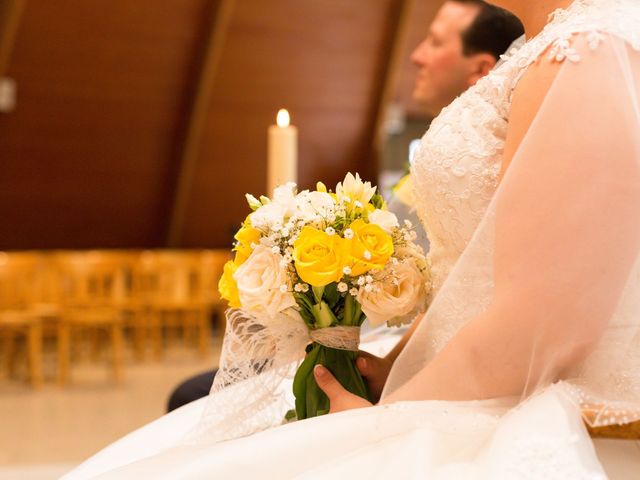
point(464, 42)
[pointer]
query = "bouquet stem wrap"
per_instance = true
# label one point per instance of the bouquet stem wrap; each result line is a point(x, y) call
point(337, 349)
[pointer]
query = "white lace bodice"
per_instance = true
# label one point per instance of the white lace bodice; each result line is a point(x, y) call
point(455, 171)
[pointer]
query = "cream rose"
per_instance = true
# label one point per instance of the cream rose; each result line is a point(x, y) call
point(260, 281)
point(401, 295)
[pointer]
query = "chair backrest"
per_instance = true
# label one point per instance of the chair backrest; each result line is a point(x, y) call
point(170, 275)
point(20, 279)
point(94, 278)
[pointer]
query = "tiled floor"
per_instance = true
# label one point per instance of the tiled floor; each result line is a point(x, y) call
point(45, 432)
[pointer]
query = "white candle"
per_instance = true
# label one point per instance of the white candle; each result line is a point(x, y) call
point(282, 165)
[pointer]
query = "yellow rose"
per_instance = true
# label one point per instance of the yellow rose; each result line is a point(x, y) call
point(245, 237)
point(227, 285)
point(369, 248)
point(318, 256)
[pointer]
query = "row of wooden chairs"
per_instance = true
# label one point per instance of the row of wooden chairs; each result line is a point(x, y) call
point(147, 295)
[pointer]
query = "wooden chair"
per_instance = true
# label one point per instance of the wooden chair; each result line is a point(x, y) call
point(94, 287)
point(176, 290)
point(19, 274)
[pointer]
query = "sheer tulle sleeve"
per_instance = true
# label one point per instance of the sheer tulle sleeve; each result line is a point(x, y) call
point(548, 288)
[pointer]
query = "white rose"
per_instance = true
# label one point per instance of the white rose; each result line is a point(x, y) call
point(384, 219)
point(259, 280)
point(401, 295)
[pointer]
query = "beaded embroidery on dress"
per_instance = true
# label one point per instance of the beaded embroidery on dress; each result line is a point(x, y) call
point(455, 175)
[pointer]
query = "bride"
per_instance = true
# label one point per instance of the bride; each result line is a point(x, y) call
point(529, 188)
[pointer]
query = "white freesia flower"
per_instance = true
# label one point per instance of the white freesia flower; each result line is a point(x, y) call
point(402, 294)
point(354, 189)
point(259, 280)
point(282, 206)
point(384, 219)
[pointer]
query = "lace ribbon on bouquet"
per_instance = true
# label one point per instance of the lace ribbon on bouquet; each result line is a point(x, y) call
point(251, 391)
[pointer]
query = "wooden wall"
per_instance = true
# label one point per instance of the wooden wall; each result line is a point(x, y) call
point(91, 155)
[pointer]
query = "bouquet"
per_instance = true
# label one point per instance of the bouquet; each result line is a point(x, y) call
point(332, 260)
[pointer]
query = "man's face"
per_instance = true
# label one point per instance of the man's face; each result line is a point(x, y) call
point(444, 70)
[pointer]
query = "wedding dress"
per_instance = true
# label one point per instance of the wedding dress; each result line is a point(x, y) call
point(553, 243)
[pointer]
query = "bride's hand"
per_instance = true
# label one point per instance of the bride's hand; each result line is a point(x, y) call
point(375, 370)
point(339, 398)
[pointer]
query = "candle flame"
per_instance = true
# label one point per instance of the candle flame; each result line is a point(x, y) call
point(283, 118)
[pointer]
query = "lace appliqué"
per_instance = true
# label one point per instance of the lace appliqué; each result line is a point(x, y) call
point(455, 173)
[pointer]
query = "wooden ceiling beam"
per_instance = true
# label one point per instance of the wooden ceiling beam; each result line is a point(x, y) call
point(220, 20)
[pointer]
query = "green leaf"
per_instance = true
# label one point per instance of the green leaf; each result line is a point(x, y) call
point(317, 293)
point(324, 315)
point(306, 308)
point(331, 295)
point(300, 382)
point(377, 200)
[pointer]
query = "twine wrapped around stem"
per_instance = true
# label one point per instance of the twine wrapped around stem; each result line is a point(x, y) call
point(339, 337)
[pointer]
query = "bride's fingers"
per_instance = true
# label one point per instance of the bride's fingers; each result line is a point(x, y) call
point(328, 383)
point(364, 366)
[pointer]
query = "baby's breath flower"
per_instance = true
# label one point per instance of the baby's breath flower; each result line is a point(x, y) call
point(343, 287)
point(346, 270)
point(368, 288)
point(284, 232)
point(361, 281)
point(368, 279)
point(297, 287)
point(305, 287)
point(358, 204)
point(284, 288)
point(275, 249)
point(353, 292)
point(367, 255)
point(348, 234)
point(330, 231)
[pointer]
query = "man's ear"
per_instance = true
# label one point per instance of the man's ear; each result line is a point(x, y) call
point(480, 65)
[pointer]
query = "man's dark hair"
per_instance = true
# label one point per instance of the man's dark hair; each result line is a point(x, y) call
point(492, 31)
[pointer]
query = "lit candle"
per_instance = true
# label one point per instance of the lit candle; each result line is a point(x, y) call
point(282, 166)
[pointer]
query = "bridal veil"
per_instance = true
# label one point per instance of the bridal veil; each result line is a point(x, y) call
point(548, 288)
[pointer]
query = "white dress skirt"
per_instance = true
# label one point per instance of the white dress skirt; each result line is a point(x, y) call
point(542, 438)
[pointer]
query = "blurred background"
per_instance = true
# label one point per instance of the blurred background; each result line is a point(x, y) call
point(129, 133)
